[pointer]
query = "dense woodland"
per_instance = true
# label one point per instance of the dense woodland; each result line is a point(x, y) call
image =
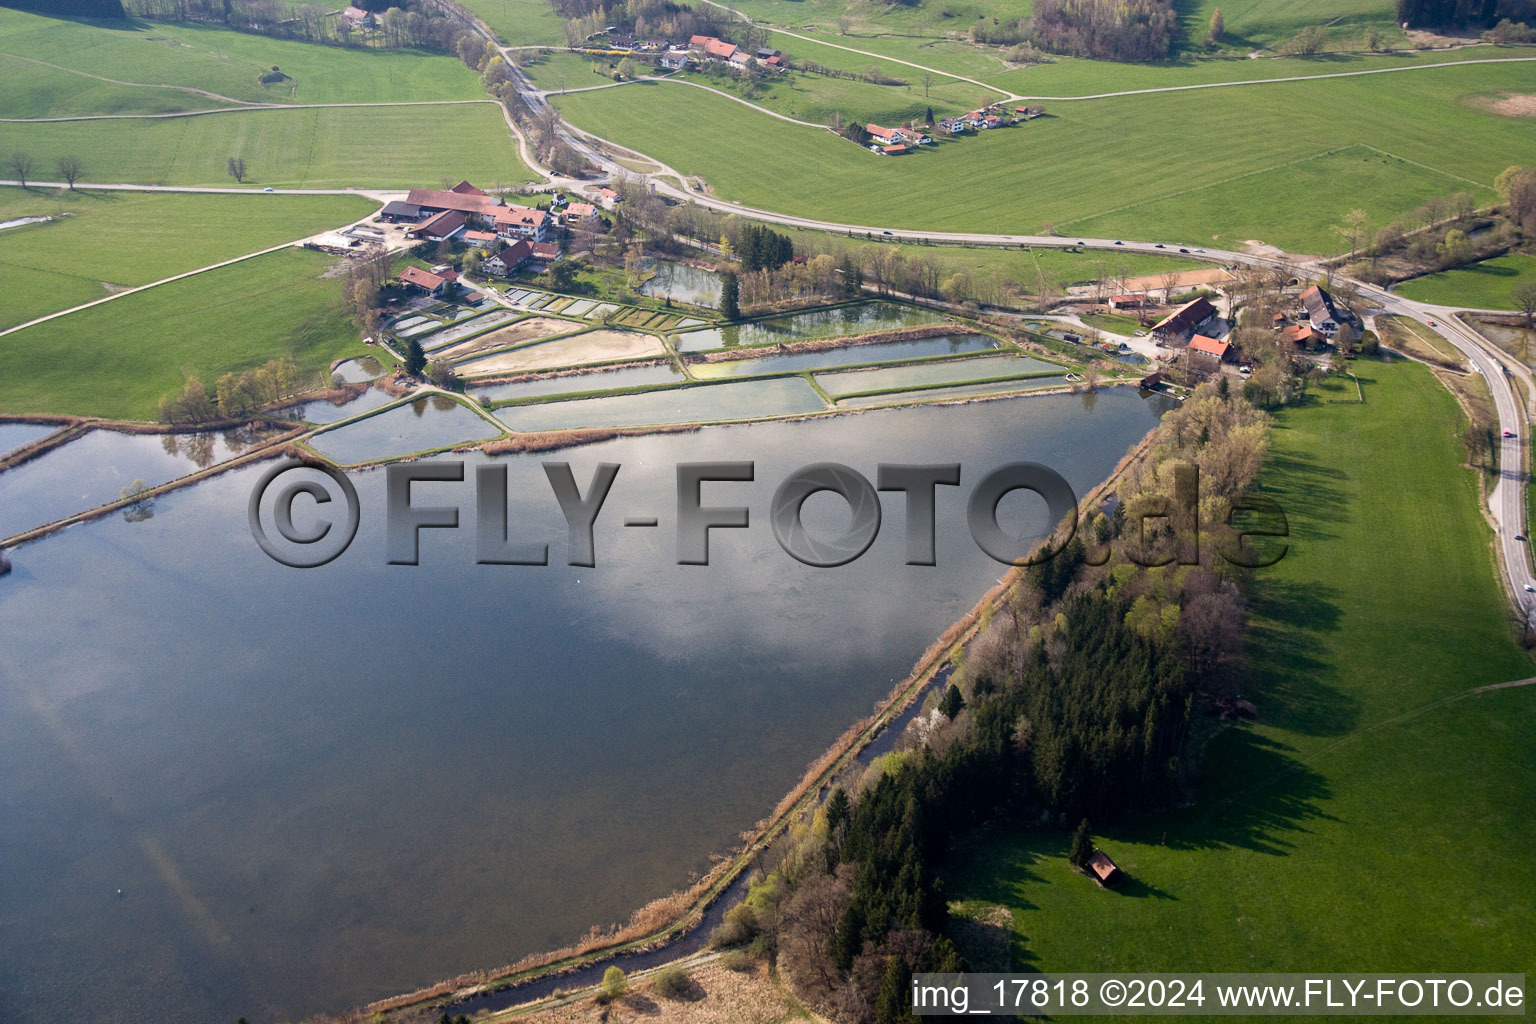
point(1079, 697)
point(1463, 13)
point(1124, 30)
point(70, 8)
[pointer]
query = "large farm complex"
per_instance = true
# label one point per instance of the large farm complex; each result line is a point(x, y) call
point(1254, 284)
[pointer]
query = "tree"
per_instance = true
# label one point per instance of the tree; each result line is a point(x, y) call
point(21, 163)
point(927, 84)
point(471, 49)
point(953, 703)
point(1218, 27)
point(415, 358)
point(1356, 226)
point(70, 169)
point(730, 292)
point(615, 984)
point(891, 1005)
point(1307, 42)
point(1455, 249)
point(628, 69)
point(1524, 297)
point(236, 168)
point(1373, 39)
point(1082, 846)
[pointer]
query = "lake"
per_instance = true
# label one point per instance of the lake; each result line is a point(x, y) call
point(682, 283)
point(319, 787)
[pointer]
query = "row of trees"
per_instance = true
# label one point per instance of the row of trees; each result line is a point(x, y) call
point(1075, 699)
point(234, 395)
point(1462, 13)
point(69, 166)
point(414, 24)
point(71, 8)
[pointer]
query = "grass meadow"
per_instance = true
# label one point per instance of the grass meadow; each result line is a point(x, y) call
point(1376, 817)
point(110, 240)
point(1122, 166)
point(119, 358)
point(221, 61)
point(520, 22)
point(328, 147)
point(1485, 285)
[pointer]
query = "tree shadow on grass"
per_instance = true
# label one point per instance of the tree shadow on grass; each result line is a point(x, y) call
point(1265, 816)
point(1285, 636)
point(1310, 493)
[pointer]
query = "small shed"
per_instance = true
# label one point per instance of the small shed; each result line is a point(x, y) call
point(1104, 870)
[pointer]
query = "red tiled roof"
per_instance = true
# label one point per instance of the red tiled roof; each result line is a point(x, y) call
point(519, 215)
point(1298, 334)
point(437, 199)
point(580, 210)
point(1200, 343)
point(515, 253)
point(879, 132)
point(720, 48)
point(545, 250)
point(464, 188)
point(422, 278)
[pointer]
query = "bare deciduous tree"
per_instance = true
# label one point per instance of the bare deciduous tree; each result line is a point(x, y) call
point(21, 164)
point(236, 169)
point(70, 169)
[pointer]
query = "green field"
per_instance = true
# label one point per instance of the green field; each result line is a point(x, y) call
point(224, 62)
point(119, 358)
point(36, 90)
point(1485, 285)
point(520, 22)
point(110, 240)
point(1121, 166)
point(328, 147)
point(1377, 816)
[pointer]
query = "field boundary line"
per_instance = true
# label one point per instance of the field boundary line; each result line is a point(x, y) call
point(866, 53)
point(168, 280)
point(1425, 167)
point(1269, 81)
point(131, 85)
point(696, 85)
point(246, 109)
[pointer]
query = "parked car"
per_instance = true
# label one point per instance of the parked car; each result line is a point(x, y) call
point(1245, 370)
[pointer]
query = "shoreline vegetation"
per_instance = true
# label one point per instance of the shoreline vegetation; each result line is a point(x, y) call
point(641, 932)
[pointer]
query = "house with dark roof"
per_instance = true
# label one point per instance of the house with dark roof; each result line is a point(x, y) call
point(464, 188)
point(432, 200)
point(1317, 306)
point(509, 259)
point(545, 252)
point(440, 227)
point(1175, 329)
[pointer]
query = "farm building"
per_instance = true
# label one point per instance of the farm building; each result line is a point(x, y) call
point(433, 284)
point(442, 226)
point(1175, 329)
point(396, 211)
point(1317, 306)
point(1134, 301)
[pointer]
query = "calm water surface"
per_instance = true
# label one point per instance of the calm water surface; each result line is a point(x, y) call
point(319, 787)
point(882, 352)
point(859, 318)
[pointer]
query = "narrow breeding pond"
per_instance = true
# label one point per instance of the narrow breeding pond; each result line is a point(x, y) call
point(321, 411)
point(16, 435)
point(94, 469)
point(953, 371)
point(860, 318)
point(314, 788)
point(949, 393)
point(419, 425)
point(448, 335)
point(575, 383)
point(682, 283)
point(716, 403)
point(882, 352)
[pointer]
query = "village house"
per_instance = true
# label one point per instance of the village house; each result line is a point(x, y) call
point(523, 222)
point(624, 42)
point(1175, 329)
point(358, 18)
point(1207, 354)
point(1303, 337)
point(580, 215)
point(1317, 306)
point(435, 285)
point(712, 48)
point(886, 136)
point(508, 260)
point(545, 252)
point(676, 60)
point(482, 239)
